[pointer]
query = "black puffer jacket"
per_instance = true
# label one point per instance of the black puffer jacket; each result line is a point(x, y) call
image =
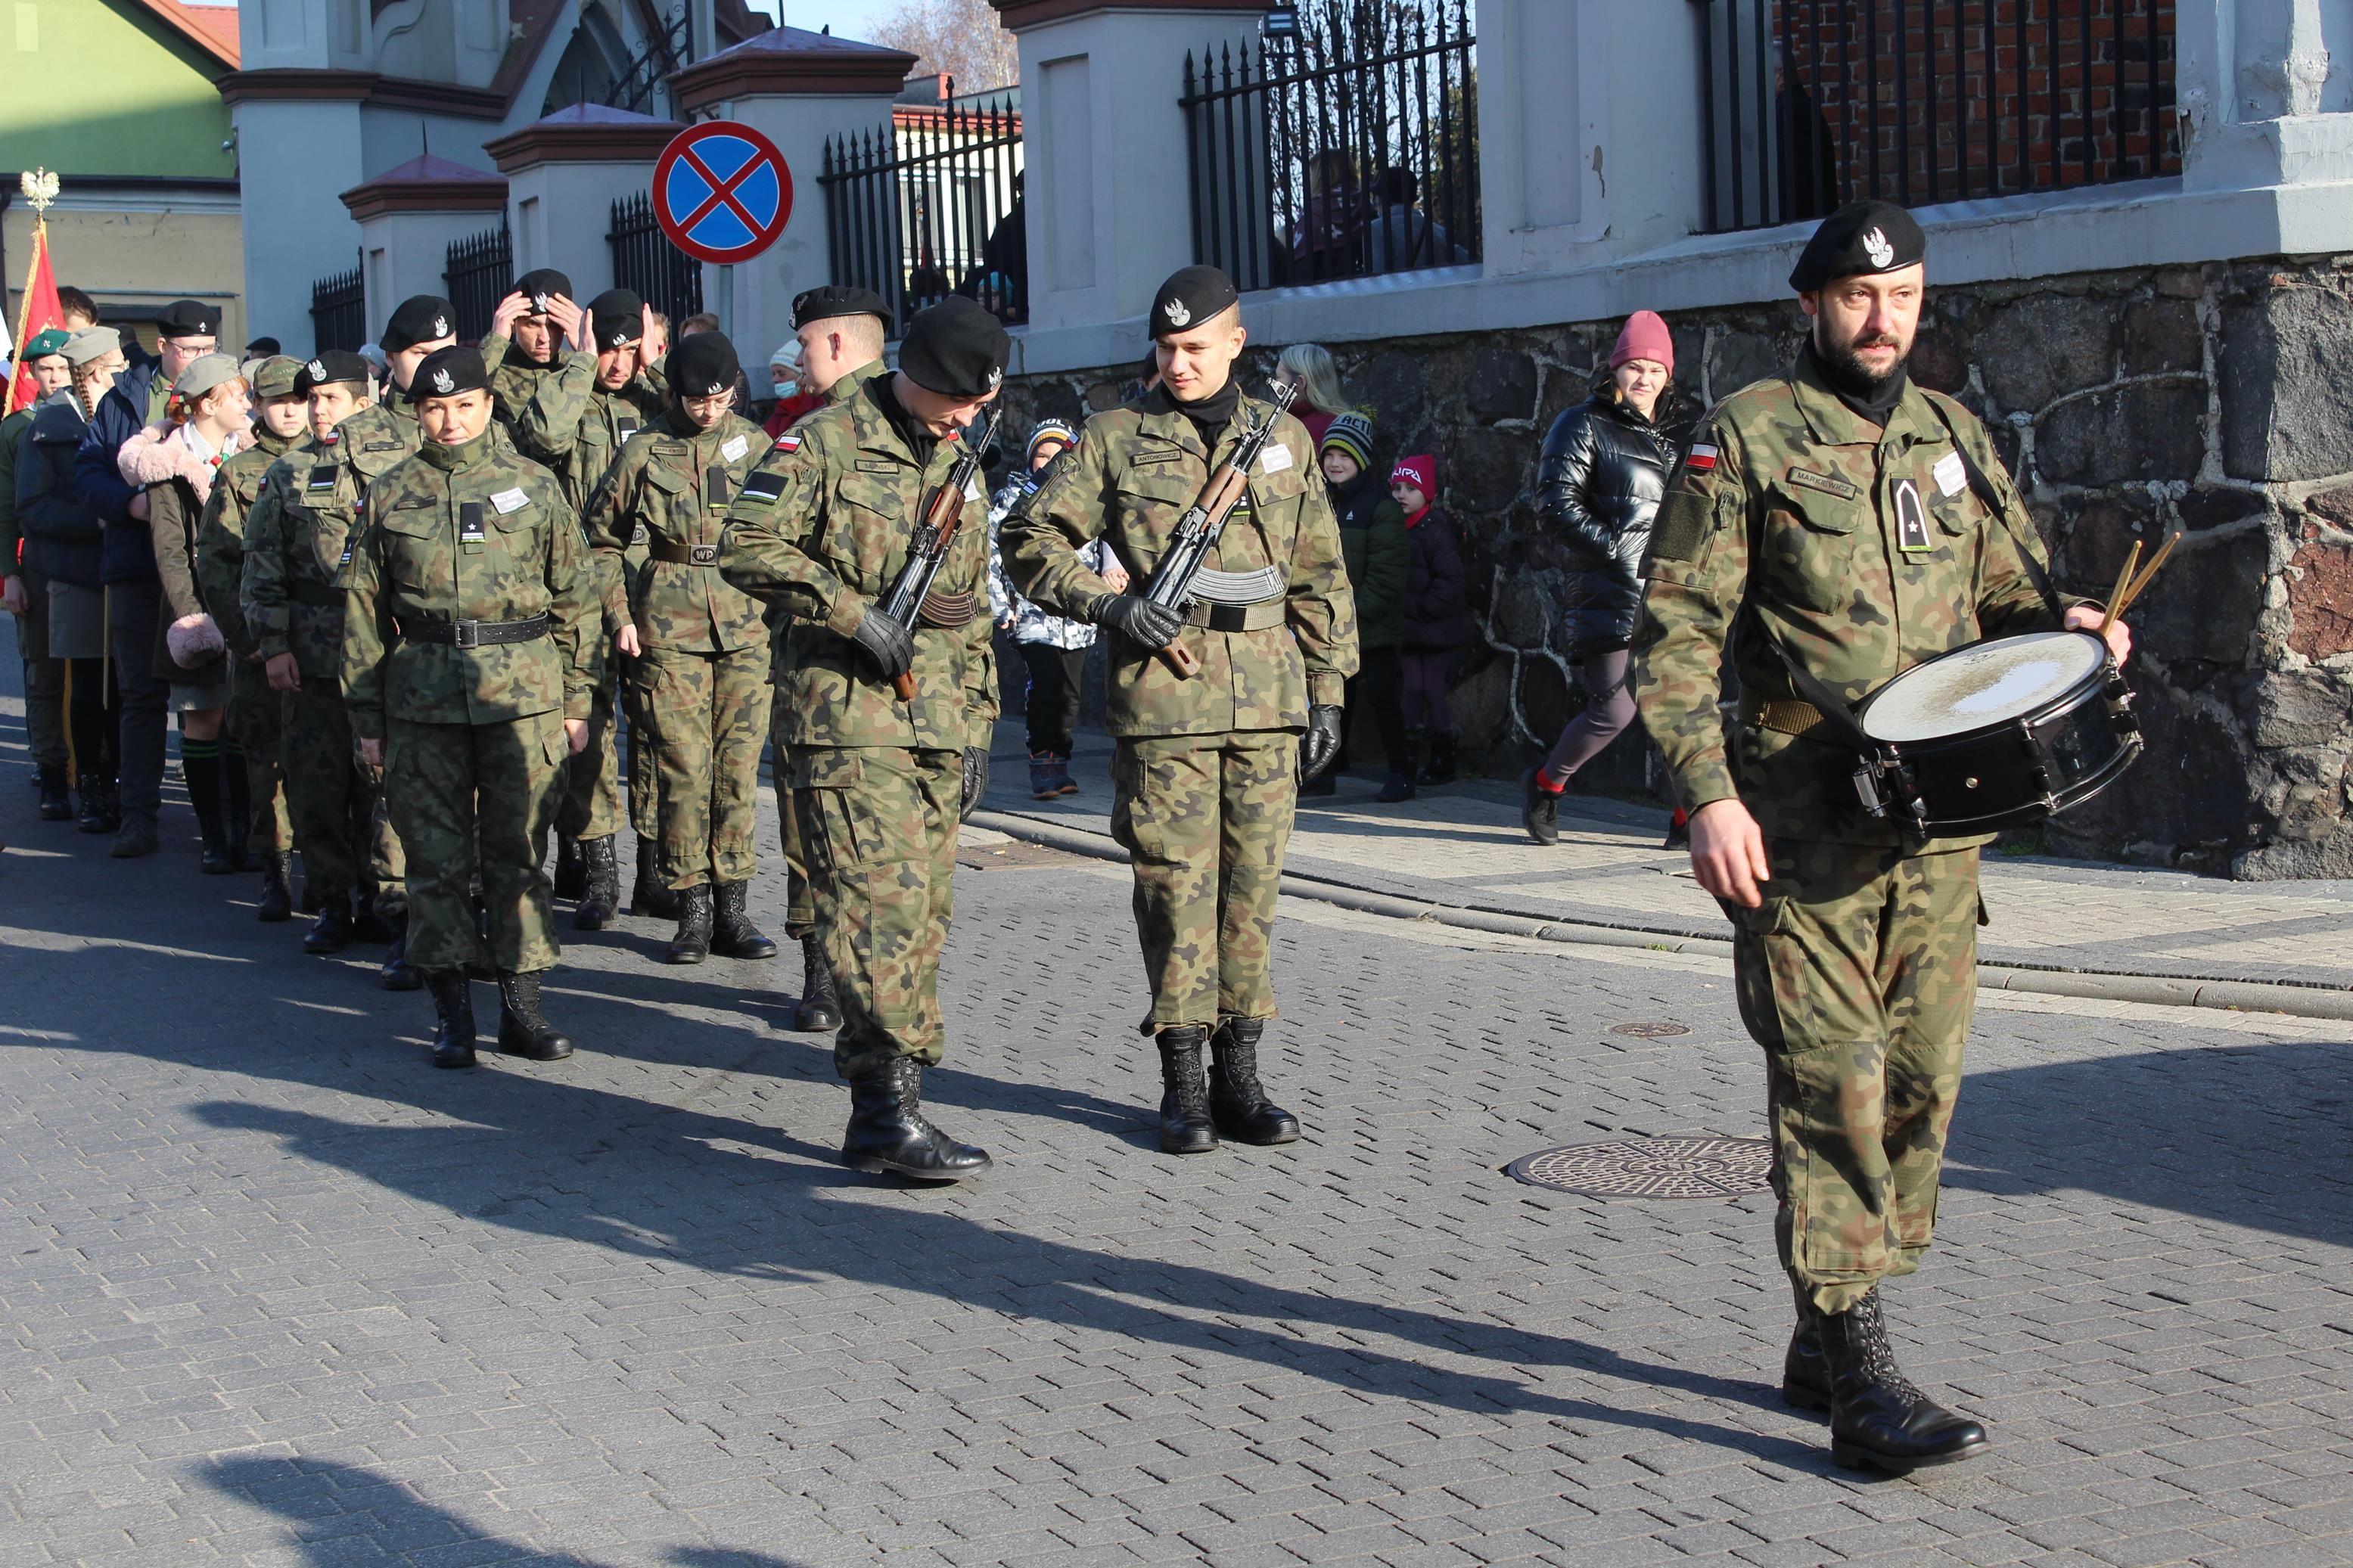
point(63, 538)
point(1599, 483)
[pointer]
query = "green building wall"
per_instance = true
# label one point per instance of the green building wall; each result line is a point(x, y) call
point(101, 88)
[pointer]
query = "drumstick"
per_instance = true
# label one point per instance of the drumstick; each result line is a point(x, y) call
point(2149, 572)
point(2124, 581)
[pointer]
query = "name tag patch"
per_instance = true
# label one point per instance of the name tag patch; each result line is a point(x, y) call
point(1828, 484)
point(1910, 518)
point(1273, 458)
point(1951, 473)
point(509, 501)
point(734, 447)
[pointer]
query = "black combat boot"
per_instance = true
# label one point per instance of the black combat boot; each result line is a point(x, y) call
point(102, 808)
point(601, 899)
point(888, 1130)
point(57, 806)
point(1805, 1376)
point(453, 1004)
point(398, 973)
point(367, 925)
point(1440, 769)
point(1399, 786)
point(331, 932)
point(571, 867)
point(1877, 1417)
point(692, 944)
point(522, 1031)
point(1184, 1124)
point(277, 888)
point(820, 1008)
point(649, 896)
point(733, 934)
point(1239, 1106)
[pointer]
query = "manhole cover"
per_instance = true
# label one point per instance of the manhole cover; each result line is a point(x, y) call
point(1651, 1031)
point(1651, 1168)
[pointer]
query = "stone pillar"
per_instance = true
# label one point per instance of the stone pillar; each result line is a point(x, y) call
point(797, 88)
point(563, 174)
point(1105, 151)
point(407, 217)
point(2261, 100)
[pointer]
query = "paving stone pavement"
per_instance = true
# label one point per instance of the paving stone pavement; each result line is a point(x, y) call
point(278, 1294)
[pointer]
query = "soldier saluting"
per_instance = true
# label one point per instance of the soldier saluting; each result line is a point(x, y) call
point(1830, 527)
point(822, 531)
point(1207, 773)
point(469, 654)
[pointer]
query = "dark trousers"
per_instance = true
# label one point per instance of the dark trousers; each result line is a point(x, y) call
point(45, 678)
point(1052, 707)
point(90, 719)
point(131, 609)
point(1380, 682)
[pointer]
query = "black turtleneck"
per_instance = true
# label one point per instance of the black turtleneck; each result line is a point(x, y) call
point(1210, 414)
point(884, 390)
point(1869, 402)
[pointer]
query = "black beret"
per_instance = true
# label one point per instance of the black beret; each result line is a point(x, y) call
point(837, 300)
point(956, 348)
point(446, 373)
point(422, 319)
point(703, 365)
point(262, 348)
point(329, 367)
point(540, 284)
point(615, 316)
point(1859, 239)
point(1191, 295)
point(189, 319)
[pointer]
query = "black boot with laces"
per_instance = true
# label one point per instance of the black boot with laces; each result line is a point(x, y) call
point(1237, 1103)
point(1878, 1418)
point(1185, 1127)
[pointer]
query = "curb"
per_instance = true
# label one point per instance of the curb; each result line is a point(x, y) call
point(2225, 995)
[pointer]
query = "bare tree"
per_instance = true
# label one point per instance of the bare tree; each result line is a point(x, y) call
point(962, 37)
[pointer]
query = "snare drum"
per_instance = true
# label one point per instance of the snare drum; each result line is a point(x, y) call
point(2002, 731)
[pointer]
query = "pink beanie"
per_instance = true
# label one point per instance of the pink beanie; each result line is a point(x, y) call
point(1420, 471)
point(1645, 337)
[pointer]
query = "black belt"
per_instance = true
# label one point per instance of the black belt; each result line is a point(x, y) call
point(684, 555)
point(318, 596)
point(475, 634)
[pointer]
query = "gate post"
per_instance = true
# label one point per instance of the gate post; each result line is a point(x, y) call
point(562, 174)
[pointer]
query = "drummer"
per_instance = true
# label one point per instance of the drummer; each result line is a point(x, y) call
point(1860, 523)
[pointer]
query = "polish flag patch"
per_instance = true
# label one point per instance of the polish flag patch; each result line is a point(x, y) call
point(788, 442)
point(1702, 460)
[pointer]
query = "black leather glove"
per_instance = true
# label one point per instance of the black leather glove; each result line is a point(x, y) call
point(890, 646)
point(1320, 747)
point(1139, 620)
point(976, 780)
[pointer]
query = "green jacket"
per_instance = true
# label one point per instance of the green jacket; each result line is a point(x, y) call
point(1380, 556)
point(822, 531)
point(671, 486)
point(1793, 503)
point(220, 534)
point(12, 436)
point(473, 532)
point(297, 533)
point(1134, 471)
point(577, 427)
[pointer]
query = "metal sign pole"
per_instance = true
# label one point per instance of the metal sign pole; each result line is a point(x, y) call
point(726, 311)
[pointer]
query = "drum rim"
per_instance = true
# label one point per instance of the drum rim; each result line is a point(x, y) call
point(2069, 697)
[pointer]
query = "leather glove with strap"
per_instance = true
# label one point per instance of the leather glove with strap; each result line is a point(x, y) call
point(1319, 747)
point(890, 646)
point(1138, 619)
point(976, 780)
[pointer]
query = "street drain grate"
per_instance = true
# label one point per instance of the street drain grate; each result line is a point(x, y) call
point(1651, 1168)
point(1651, 1031)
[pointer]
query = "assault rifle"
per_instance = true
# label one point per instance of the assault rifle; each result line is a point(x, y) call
point(1183, 574)
point(937, 523)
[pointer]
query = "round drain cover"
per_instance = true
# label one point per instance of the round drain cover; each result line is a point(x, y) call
point(1651, 1031)
point(1651, 1168)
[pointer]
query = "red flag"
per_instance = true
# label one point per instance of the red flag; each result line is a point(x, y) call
point(42, 312)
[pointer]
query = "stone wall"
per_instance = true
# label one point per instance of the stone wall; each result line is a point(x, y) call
point(2131, 403)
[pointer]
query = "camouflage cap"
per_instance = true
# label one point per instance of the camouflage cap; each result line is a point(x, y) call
point(272, 375)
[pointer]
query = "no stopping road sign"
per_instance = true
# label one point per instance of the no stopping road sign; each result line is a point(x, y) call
point(721, 192)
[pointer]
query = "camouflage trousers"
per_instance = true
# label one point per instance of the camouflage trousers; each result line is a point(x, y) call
point(591, 805)
point(257, 717)
point(336, 804)
point(1205, 820)
point(879, 824)
point(701, 715)
point(800, 907)
point(476, 801)
point(1858, 976)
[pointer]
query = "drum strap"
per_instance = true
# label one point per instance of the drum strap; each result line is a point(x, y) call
point(1985, 492)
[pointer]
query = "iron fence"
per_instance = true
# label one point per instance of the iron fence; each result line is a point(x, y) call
point(339, 311)
point(480, 273)
point(930, 206)
point(1349, 148)
point(646, 263)
point(1809, 104)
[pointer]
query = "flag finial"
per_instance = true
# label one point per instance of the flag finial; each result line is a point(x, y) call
point(40, 188)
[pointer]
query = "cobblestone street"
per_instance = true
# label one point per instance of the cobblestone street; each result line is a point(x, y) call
point(279, 1293)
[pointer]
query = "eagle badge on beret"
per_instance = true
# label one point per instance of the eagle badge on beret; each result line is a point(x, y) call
point(443, 381)
point(318, 370)
point(539, 304)
point(1177, 312)
point(1876, 246)
point(440, 326)
point(995, 376)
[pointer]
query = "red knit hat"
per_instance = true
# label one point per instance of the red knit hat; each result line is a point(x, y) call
point(1645, 337)
point(1420, 471)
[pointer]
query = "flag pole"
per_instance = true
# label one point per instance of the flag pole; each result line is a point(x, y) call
point(40, 188)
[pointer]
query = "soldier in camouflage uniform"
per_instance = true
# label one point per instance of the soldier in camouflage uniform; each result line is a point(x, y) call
point(1206, 772)
point(824, 528)
point(529, 327)
point(469, 649)
point(296, 537)
point(1865, 524)
point(609, 388)
point(842, 332)
point(421, 326)
point(256, 712)
point(697, 645)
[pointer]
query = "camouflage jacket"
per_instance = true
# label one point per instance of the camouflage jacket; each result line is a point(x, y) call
point(472, 533)
point(577, 427)
point(672, 485)
point(220, 534)
point(1132, 474)
point(1862, 551)
point(780, 647)
point(297, 533)
point(822, 531)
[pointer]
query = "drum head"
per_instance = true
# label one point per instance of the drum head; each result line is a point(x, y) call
point(1987, 683)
